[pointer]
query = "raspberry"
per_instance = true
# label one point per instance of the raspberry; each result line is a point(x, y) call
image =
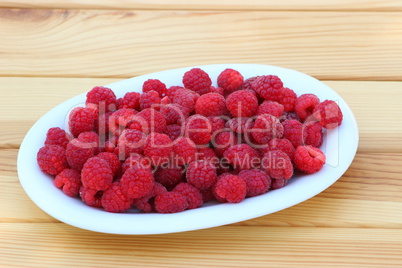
point(96, 174)
point(70, 181)
point(198, 128)
point(293, 131)
point(130, 100)
point(158, 147)
point(146, 203)
point(257, 181)
point(57, 136)
point(169, 176)
point(218, 90)
point(103, 97)
point(272, 108)
point(305, 105)
point(197, 80)
point(289, 115)
point(242, 103)
point(185, 98)
point(284, 145)
point(207, 195)
point(217, 123)
point(101, 125)
point(150, 99)
point(230, 80)
point(328, 114)
point(184, 150)
point(166, 100)
point(201, 174)
point(155, 85)
point(210, 104)
point(113, 199)
point(131, 141)
point(137, 181)
point(91, 197)
point(230, 188)
point(174, 131)
point(207, 154)
point(266, 127)
point(193, 195)
point(171, 91)
point(288, 99)
point(170, 202)
point(309, 159)
point(277, 164)
point(269, 87)
point(89, 137)
point(242, 156)
point(78, 152)
point(81, 120)
point(247, 84)
point(136, 159)
point(223, 141)
point(156, 121)
point(312, 133)
point(111, 159)
point(240, 124)
point(278, 183)
point(173, 113)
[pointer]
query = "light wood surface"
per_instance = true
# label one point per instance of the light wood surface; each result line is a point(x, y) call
point(53, 50)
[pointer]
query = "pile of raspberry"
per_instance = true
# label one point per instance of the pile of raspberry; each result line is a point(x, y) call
point(174, 148)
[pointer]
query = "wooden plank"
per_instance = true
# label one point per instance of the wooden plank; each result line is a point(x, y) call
point(122, 43)
point(341, 5)
point(379, 132)
point(55, 245)
point(367, 195)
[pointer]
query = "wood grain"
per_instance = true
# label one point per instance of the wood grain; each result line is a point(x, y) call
point(126, 43)
point(342, 5)
point(367, 196)
point(233, 246)
point(25, 100)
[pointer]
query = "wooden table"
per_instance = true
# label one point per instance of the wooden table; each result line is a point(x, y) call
point(53, 50)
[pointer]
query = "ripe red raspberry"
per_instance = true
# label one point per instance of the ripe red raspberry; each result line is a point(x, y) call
point(197, 80)
point(281, 144)
point(288, 116)
point(184, 150)
point(136, 159)
point(146, 203)
point(312, 132)
point(242, 156)
point(266, 127)
point(223, 141)
point(293, 131)
point(257, 181)
point(240, 124)
point(218, 90)
point(171, 91)
point(81, 120)
point(288, 99)
point(130, 100)
point(309, 159)
point(194, 196)
point(137, 181)
point(174, 113)
point(278, 183)
point(170, 202)
point(78, 152)
point(130, 141)
point(328, 114)
point(150, 99)
point(102, 123)
point(111, 159)
point(169, 176)
point(70, 182)
point(185, 98)
point(305, 105)
point(207, 154)
point(103, 97)
point(158, 147)
point(174, 131)
point(210, 104)
point(89, 137)
point(242, 103)
point(201, 174)
point(230, 188)
point(272, 108)
point(114, 200)
point(247, 84)
point(230, 80)
point(155, 120)
point(277, 164)
point(217, 123)
point(155, 85)
point(198, 128)
point(57, 136)
point(96, 174)
point(91, 197)
point(269, 87)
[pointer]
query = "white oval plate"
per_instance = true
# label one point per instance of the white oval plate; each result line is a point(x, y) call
point(340, 146)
